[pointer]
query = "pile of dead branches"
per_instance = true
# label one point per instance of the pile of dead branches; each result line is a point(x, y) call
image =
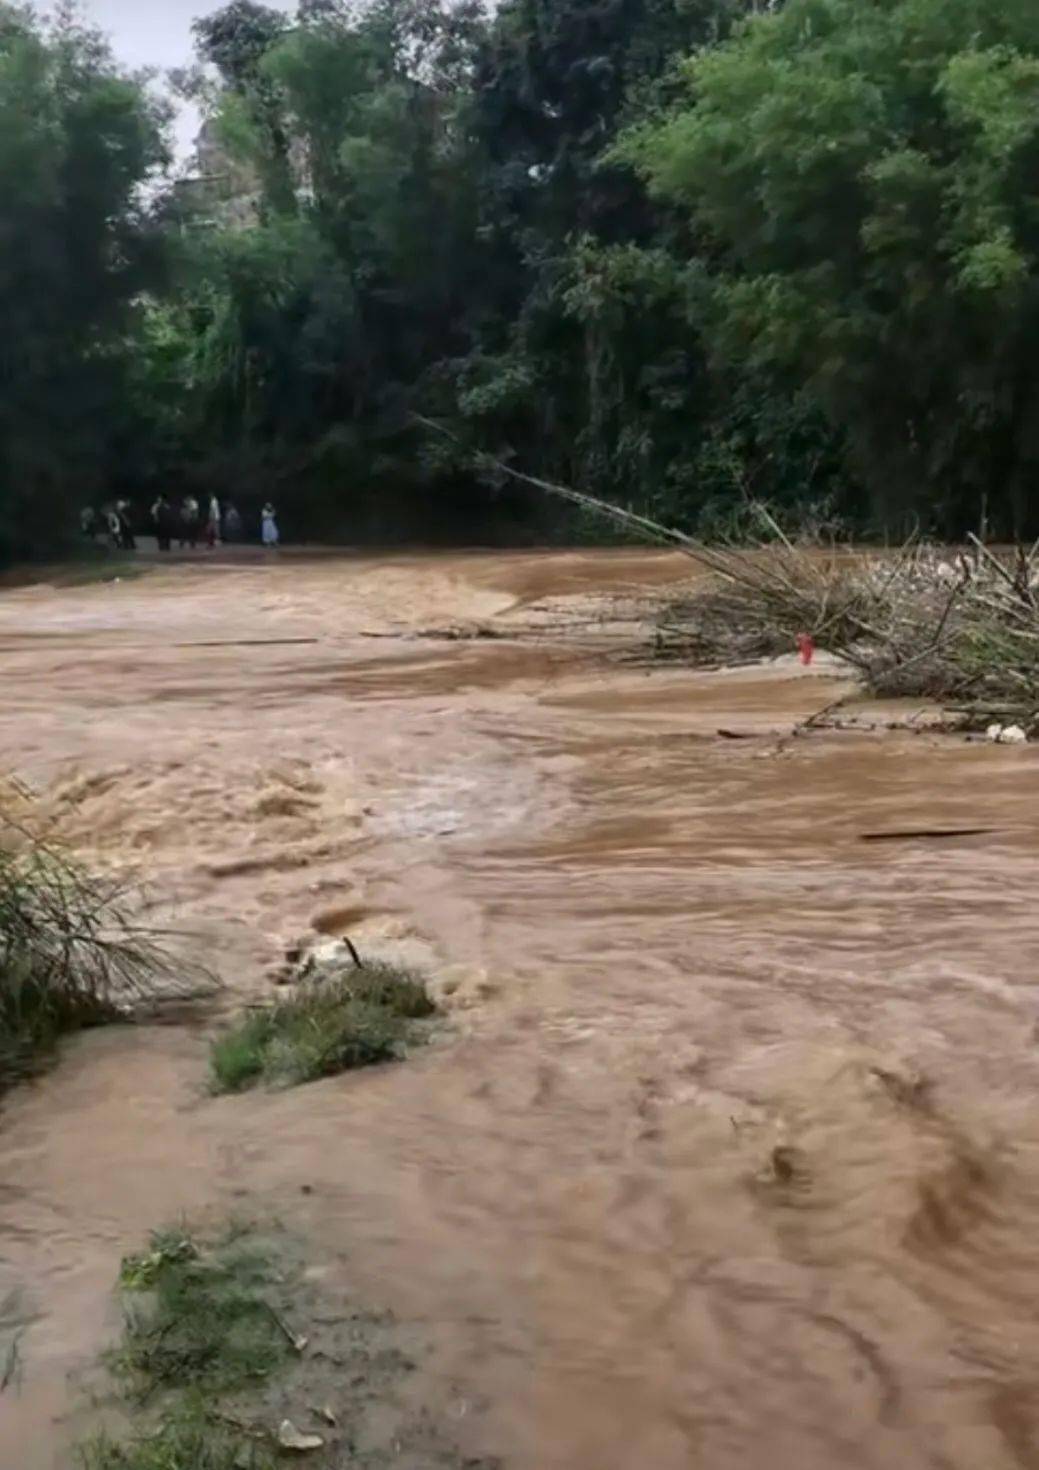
point(963, 631)
point(759, 599)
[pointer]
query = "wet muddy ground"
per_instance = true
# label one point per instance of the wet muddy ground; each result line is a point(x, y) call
point(732, 1156)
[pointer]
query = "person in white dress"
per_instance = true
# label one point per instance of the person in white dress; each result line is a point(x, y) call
point(270, 526)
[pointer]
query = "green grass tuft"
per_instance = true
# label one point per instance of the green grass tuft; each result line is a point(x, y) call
point(203, 1320)
point(72, 954)
point(238, 1058)
point(187, 1439)
point(142, 1272)
point(325, 1027)
point(200, 1328)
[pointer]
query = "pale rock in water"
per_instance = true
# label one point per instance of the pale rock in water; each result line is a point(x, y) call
point(291, 1438)
point(1006, 735)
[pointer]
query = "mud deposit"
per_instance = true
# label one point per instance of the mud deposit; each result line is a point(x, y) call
point(732, 1159)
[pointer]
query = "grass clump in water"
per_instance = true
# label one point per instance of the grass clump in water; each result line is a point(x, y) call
point(202, 1319)
point(187, 1439)
point(200, 1328)
point(325, 1027)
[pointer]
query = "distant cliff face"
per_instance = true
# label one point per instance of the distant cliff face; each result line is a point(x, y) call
point(221, 188)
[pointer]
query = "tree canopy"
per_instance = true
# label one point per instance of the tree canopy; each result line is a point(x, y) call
point(679, 253)
point(78, 139)
point(865, 180)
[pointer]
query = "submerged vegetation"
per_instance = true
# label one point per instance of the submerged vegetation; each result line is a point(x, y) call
point(201, 1324)
point(187, 1439)
point(197, 1318)
point(328, 1025)
point(237, 1353)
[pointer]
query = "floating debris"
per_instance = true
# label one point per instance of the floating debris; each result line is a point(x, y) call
point(291, 1438)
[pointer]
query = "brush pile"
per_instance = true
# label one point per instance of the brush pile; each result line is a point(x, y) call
point(962, 631)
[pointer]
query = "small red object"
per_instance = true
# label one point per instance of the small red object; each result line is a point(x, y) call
point(806, 644)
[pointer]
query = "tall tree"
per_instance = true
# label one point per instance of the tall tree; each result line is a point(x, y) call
point(555, 79)
point(866, 177)
point(78, 139)
point(306, 338)
point(235, 41)
point(585, 363)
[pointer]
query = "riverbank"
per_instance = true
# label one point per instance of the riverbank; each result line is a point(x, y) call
point(664, 955)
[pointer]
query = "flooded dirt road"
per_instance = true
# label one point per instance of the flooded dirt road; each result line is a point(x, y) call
point(732, 1157)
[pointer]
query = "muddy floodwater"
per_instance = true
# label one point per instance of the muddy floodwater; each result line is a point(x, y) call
point(730, 1158)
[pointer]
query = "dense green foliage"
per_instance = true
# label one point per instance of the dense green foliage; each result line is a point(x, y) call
point(77, 137)
point(865, 178)
point(678, 253)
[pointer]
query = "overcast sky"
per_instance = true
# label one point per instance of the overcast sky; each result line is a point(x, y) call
point(156, 33)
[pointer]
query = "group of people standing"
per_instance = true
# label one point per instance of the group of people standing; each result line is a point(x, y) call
point(183, 523)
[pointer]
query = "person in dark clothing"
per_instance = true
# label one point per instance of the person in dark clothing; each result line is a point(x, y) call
point(165, 522)
point(190, 521)
point(115, 530)
point(232, 523)
point(127, 540)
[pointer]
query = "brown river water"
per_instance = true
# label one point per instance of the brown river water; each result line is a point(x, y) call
point(731, 1157)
